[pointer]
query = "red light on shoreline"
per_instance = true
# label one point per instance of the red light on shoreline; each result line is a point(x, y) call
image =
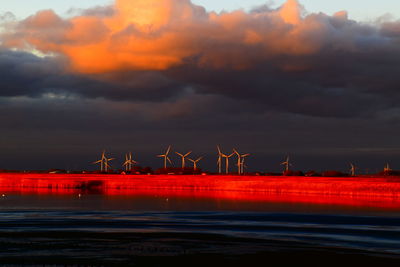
point(359, 192)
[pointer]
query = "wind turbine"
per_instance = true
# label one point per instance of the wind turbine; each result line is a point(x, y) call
point(219, 161)
point(166, 158)
point(183, 158)
point(387, 168)
point(106, 165)
point(195, 162)
point(353, 169)
point(103, 162)
point(227, 157)
point(287, 164)
point(129, 162)
point(240, 162)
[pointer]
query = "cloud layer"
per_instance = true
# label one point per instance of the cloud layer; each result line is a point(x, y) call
point(158, 35)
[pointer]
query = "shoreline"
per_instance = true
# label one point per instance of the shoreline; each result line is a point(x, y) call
point(349, 191)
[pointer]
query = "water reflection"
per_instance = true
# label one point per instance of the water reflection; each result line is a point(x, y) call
point(82, 220)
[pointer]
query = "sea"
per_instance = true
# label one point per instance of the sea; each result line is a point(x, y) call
point(94, 229)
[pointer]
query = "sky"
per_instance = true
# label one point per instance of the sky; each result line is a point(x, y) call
point(370, 10)
point(274, 80)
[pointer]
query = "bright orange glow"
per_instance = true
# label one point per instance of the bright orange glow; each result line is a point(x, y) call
point(290, 12)
point(360, 192)
point(161, 34)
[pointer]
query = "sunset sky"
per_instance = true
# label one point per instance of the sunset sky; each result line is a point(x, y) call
point(319, 81)
point(370, 9)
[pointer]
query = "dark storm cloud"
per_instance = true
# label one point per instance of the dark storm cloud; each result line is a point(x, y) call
point(24, 74)
point(334, 85)
point(335, 67)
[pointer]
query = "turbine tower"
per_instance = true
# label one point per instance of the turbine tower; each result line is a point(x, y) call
point(183, 158)
point(242, 164)
point(387, 168)
point(166, 158)
point(352, 169)
point(240, 161)
point(219, 161)
point(195, 162)
point(287, 164)
point(227, 157)
point(103, 162)
point(129, 162)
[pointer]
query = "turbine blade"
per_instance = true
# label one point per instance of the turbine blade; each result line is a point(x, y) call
point(187, 154)
point(169, 160)
point(179, 154)
point(168, 150)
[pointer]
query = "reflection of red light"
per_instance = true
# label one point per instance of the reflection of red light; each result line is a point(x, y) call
point(362, 192)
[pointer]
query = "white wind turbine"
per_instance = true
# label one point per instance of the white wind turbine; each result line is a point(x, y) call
point(219, 161)
point(240, 161)
point(287, 164)
point(104, 162)
point(227, 157)
point(166, 158)
point(101, 161)
point(129, 162)
point(353, 169)
point(183, 158)
point(195, 162)
point(106, 165)
point(387, 168)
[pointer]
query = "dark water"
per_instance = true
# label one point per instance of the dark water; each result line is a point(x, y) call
point(120, 231)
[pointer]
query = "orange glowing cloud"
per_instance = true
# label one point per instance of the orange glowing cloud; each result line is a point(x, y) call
point(160, 34)
point(290, 12)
